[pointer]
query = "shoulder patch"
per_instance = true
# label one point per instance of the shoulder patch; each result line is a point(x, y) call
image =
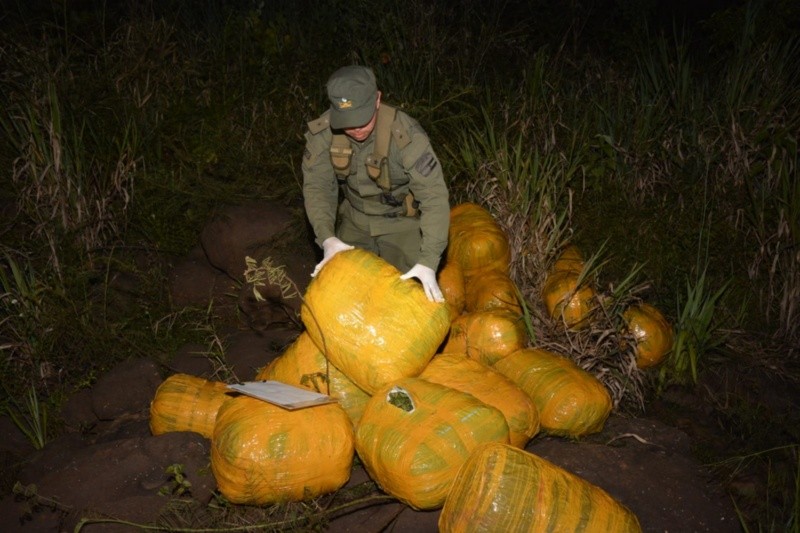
point(317, 125)
point(426, 164)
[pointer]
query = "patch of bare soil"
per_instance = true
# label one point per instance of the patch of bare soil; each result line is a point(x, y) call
point(107, 464)
point(115, 468)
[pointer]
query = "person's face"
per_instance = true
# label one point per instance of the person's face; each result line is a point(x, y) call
point(362, 132)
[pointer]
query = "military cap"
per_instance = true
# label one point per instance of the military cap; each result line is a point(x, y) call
point(352, 92)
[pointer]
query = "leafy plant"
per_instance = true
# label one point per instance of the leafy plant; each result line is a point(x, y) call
point(697, 334)
point(26, 337)
point(178, 484)
point(34, 500)
point(21, 299)
point(29, 415)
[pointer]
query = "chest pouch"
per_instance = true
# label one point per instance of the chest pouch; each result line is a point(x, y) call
point(341, 154)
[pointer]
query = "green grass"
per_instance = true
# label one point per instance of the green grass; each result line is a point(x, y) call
point(697, 333)
point(774, 506)
point(29, 415)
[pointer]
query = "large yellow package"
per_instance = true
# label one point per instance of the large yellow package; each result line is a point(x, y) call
point(571, 401)
point(502, 488)
point(451, 282)
point(486, 336)
point(566, 301)
point(492, 388)
point(263, 454)
point(186, 403)
point(570, 260)
point(476, 241)
point(414, 435)
point(492, 290)
point(373, 326)
point(302, 364)
point(652, 333)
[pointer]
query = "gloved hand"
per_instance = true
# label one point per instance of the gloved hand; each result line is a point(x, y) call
point(428, 278)
point(330, 247)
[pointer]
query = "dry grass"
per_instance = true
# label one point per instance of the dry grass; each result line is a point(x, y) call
point(64, 188)
point(527, 193)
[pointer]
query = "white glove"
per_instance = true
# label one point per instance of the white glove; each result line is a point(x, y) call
point(428, 278)
point(330, 247)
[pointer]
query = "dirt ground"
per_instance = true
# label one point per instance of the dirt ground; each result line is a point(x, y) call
point(115, 468)
point(108, 464)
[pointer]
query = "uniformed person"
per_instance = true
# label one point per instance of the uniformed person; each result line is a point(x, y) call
point(395, 198)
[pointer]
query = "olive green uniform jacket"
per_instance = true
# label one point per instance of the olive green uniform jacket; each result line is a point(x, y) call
point(413, 167)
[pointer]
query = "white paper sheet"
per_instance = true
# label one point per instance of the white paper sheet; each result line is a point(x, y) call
point(281, 394)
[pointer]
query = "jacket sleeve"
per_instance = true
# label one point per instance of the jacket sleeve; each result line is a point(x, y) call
point(430, 190)
point(320, 188)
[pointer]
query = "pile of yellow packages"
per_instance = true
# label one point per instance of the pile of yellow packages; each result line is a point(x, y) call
point(438, 400)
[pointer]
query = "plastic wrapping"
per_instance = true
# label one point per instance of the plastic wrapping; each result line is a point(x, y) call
point(263, 454)
point(486, 336)
point(567, 302)
point(451, 282)
point(492, 290)
point(186, 403)
point(414, 435)
point(571, 401)
point(653, 333)
point(303, 364)
point(476, 241)
point(373, 326)
point(492, 388)
point(502, 488)
point(570, 260)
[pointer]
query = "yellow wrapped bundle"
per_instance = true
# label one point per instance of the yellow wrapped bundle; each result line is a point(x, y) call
point(566, 301)
point(415, 435)
point(263, 454)
point(373, 326)
point(490, 387)
point(186, 403)
point(304, 365)
point(486, 336)
point(653, 334)
point(570, 260)
point(451, 282)
point(571, 401)
point(476, 241)
point(502, 488)
point(492, 290)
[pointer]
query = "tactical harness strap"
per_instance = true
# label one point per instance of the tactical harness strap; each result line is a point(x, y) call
point(377, 165)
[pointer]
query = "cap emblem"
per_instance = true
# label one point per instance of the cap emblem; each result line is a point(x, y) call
point(344, 103)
